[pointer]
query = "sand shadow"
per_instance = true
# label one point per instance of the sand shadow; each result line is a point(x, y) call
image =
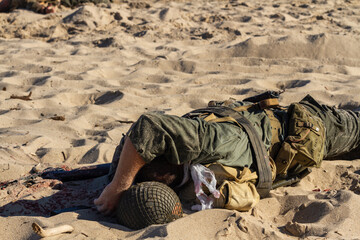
point(59, 197)
point(72, 196)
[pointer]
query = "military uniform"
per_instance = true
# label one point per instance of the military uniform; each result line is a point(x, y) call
point(342, 127)
point(40, 6)
point(224, 147)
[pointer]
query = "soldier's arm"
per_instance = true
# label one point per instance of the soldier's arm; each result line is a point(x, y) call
point(129, 164)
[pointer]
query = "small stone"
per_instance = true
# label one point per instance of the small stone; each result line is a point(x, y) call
point(117, 16)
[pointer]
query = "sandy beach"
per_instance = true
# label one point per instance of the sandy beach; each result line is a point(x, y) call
point(72, 82)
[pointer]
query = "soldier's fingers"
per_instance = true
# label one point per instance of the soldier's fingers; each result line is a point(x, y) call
point(104, 210)
point(101, 208)
point(97, 201)
point(108, 212)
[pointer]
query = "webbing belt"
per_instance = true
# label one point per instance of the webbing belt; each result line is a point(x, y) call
point(260, 154)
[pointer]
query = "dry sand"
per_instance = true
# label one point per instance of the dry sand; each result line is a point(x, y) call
point(94, 69)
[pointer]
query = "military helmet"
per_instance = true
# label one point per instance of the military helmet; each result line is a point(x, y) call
point(148, 203)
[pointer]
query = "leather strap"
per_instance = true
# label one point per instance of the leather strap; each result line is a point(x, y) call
point(264, 104)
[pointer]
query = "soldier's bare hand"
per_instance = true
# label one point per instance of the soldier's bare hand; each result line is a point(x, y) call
point(107, 201)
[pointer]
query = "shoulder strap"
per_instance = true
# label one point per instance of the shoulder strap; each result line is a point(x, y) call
point(260, 154)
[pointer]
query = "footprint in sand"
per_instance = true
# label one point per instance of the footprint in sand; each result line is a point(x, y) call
point(32, 68)
point(38, 81)
point(109, 97)
point(292, 84)
point(8, 74)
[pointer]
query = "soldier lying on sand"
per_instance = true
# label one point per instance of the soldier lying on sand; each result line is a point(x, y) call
point(43, 6)
point(252, 146)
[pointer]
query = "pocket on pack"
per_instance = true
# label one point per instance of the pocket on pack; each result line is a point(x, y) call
point(240, 196)
point(305, 143)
